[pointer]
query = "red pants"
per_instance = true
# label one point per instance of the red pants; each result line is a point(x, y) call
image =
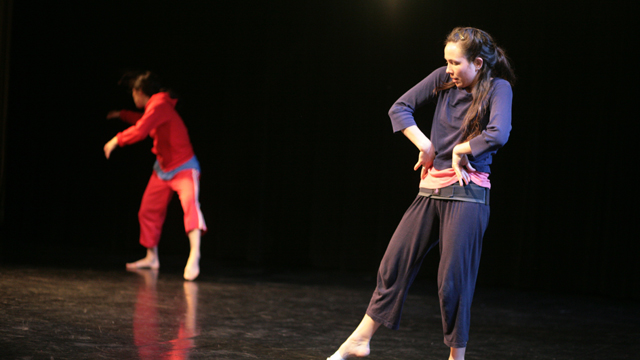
point(155, 201)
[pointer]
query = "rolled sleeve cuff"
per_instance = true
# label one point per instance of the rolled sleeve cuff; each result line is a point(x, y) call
point(478, 146)
point(120, 141)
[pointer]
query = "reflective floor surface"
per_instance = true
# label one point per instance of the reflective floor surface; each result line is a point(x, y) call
point(53, 313)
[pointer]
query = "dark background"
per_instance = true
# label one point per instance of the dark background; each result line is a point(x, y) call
point(286, 104)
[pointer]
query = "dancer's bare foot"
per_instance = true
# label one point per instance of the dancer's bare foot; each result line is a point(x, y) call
point(150, 261)
point(353, 347)
point(357, 345)
point(144, 264)
point(192, 270)
point(335, 356)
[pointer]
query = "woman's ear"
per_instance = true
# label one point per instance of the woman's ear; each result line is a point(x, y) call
point(478, 63)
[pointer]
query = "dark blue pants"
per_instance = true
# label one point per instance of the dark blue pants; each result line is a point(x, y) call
point(458, 228)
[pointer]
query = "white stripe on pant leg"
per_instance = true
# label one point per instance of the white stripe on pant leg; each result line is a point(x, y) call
point(195, 174)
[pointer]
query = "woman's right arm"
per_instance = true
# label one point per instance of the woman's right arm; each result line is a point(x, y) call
point(127, 116)
point(424, 145)
point(401, 114)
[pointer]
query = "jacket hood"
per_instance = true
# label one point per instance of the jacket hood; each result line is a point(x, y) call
point(162, 97)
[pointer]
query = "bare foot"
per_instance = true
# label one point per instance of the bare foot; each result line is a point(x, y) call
point(335, 356)
point(192, 270)
point(357, 345)
point(353, 347)
point(146, 263)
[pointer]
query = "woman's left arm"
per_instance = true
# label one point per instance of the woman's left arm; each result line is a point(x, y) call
point(493, 137)
point(496, 133)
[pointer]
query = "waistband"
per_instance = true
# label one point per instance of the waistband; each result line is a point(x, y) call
point(192, 163)
point(468, 193)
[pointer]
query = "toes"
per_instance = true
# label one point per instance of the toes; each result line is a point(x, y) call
point(144, 264)
point(335, 356)
point(191, 272)
point(191, 276)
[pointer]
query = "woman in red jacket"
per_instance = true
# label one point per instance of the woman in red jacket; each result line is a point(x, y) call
point(176, 168)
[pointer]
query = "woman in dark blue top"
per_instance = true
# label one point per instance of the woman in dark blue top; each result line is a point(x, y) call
point(472, 121)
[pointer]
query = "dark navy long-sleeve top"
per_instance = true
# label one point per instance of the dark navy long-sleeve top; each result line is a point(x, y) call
point(451, 108)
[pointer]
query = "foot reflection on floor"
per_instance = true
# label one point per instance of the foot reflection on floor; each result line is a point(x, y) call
point(49, 313)
point(146, 334)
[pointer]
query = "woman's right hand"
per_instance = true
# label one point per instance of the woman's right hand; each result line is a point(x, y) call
point(425, 160)
point(427, 152)
point(113, 114)
point(110, 146)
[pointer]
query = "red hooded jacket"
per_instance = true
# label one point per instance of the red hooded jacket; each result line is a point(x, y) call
point(160, 120)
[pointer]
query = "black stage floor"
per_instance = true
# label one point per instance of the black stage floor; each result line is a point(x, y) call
point(54, 313)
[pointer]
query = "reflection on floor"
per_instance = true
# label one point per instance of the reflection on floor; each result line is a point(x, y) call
point(146, 335)
point(51, 313)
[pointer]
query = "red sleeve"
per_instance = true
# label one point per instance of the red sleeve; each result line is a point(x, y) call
point(154, 115)
point(129, 116)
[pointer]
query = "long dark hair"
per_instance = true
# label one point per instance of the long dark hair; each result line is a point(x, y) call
point(146, 81)
point(476, 43)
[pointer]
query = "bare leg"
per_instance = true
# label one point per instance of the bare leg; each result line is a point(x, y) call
point(192, 270)
point(457, 353)
point(357, 345)
point(150, 261)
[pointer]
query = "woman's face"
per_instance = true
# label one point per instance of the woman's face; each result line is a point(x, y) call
point(139, 98)
point(463, 73)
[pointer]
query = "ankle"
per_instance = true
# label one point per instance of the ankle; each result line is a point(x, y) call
point(457, 353)
point(359, 338)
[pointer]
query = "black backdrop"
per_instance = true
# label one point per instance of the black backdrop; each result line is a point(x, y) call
point(286, 103)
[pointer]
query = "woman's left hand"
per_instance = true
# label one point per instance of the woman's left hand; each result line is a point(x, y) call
point(113, 114)
point(460, 163)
